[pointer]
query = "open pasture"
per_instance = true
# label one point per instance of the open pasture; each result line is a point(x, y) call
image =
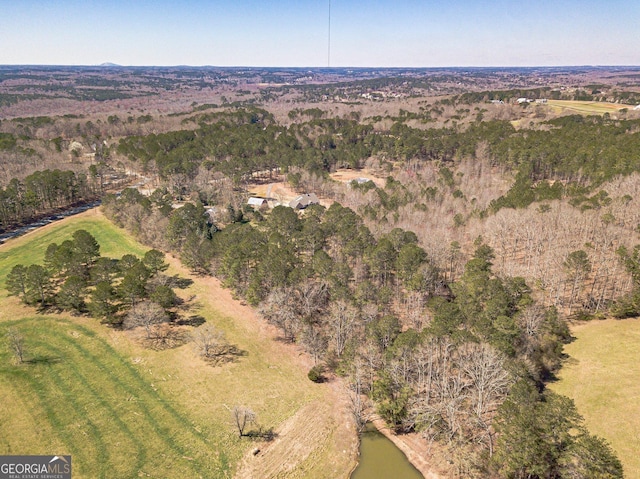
point(601, 376)
point(586, 107)
point(125, 411)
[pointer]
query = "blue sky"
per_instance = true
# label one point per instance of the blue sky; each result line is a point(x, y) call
point(374, 33)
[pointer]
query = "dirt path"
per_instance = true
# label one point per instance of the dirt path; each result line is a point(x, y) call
point(305, 435)
point(320, 440)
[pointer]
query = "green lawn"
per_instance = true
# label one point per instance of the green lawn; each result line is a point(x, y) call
point(94, 403)
point(603, 377)
point(125, 411)
point(30, 249)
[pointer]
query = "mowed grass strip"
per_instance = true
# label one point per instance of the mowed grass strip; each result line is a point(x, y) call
point(79, 393)
point(110, 418)
point(602, 376)
point(125, 411)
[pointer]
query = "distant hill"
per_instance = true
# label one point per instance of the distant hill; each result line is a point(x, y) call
point(108, 64)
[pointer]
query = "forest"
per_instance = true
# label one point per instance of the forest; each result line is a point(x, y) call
point(442, 293)
point(357, 305)
point(42, 192)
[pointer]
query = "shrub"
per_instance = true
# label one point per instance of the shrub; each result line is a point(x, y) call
point(316, 374)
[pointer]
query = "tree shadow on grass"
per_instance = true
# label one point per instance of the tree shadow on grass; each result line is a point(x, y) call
point(46, 309)
point(552, 376)
point(230, 354)
point(43, 359)
point(193, 320)
point(281, 338)
point(181, 283)
point(166, 336)
point(261, 434)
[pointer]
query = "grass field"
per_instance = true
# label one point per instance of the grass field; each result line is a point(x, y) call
point(30, 249)
point(603, 377)
point(586, 107)
point(124, 411)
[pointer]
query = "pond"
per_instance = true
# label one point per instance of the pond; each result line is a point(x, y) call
point(381, 459)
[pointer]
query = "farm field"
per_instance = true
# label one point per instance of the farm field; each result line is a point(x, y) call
point(601, 376)
point(586, 107)
point(124, 411)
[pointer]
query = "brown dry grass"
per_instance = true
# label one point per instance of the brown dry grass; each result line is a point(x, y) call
point(315, 434)
point(586, 107)
point(278, 190)
point(346, 176)
point(320, 436)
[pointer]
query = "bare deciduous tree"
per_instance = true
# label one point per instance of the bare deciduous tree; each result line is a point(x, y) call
point(242, 418)
point(146, 314)
point(314, 342)
point(358, 402)
point(280, 309)
point(313, 296)
point(415, 312)
point(16, 344)
point(342, 320)
point(369, 312)
point(578, 266)
point(209, 341)
point(484, 367)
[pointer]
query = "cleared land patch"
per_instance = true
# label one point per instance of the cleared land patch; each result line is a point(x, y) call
point(601, 376)
point(587, 107)
point(346, 176)
point(124, 411)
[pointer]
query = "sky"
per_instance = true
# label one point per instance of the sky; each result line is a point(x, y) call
point(286, 33)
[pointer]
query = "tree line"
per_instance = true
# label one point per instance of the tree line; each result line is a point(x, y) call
point(450, 361)
point(76, 278)
point(565, 157)
point(42, 192)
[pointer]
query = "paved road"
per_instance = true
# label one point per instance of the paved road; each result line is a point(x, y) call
point(45, 221)
point(58, 216)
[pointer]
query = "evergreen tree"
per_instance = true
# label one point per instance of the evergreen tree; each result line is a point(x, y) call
point(132, 288)
point(542, 436)
point(85, 248)
point(16, 283)
point(103, 298)
point(103, 269)
point(72, 294)
point(38, 285)
point(154, 261)
point(164, 296)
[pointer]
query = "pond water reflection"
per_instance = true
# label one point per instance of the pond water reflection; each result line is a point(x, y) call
point(381, 459)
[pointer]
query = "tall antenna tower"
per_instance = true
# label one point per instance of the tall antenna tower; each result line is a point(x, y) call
point(329, 39)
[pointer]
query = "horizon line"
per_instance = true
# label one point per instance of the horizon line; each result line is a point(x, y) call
point(316, 67)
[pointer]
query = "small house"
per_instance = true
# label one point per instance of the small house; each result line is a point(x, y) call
point(302, 201)
point(258, 203)
point(212, 214)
